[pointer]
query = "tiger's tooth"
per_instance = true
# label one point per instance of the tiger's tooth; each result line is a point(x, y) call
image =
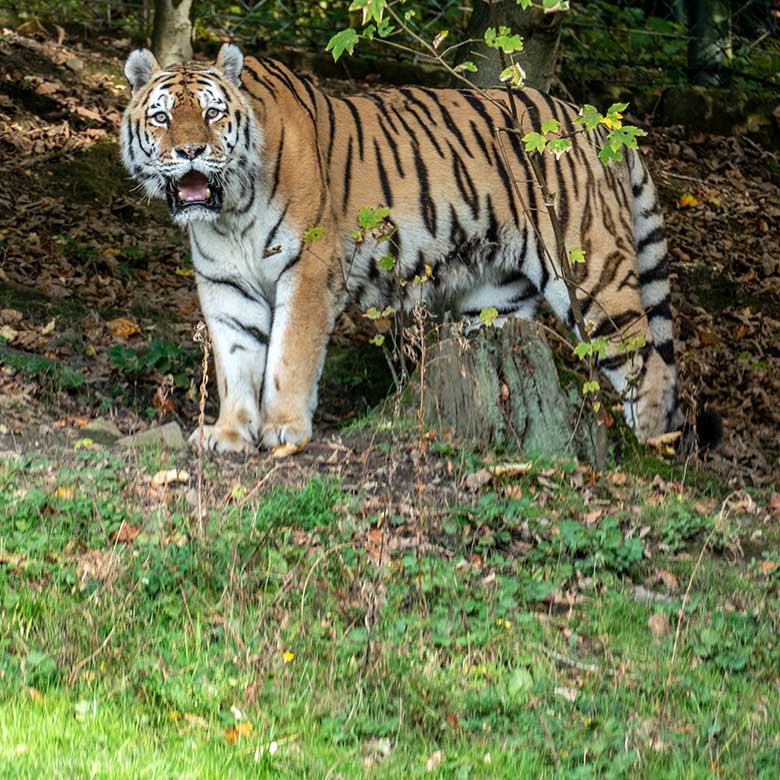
point(181, 195)
point(208, 193)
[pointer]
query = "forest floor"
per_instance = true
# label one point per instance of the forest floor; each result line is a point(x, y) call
point(382, 601)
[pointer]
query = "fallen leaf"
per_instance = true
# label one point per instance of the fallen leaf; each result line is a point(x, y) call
point(687, 201)
point(122, 328)
point(124, 534)
point(49, 327)
point(767, 567)
point(477, 479)
point(8, 333)
point(570, 694)
point(659, 625)
point(433, 762)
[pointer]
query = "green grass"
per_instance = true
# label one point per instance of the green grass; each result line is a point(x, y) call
point(507, 644)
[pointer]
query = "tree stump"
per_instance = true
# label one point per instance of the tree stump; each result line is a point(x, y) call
point(500, 387)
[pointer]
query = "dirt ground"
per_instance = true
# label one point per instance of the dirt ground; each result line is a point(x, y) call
point(90, 274)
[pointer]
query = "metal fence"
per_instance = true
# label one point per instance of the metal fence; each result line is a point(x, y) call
point(636, 40)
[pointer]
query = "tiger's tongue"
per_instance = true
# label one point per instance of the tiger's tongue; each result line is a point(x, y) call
point(193, 186)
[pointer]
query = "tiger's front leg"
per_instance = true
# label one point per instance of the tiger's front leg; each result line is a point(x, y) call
point(307, 303)
point(239, 320)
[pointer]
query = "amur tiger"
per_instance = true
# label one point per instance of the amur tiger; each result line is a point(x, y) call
point(249, 156)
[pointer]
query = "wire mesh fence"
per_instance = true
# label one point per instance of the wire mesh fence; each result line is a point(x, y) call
point(649, 41)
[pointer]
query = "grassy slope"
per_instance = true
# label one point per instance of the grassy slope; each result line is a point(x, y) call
point(125, 659)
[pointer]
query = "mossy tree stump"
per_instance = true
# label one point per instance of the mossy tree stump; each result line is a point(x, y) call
point(499, 387)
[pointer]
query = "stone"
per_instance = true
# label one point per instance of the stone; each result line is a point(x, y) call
point(169, 436)
point(102, 431)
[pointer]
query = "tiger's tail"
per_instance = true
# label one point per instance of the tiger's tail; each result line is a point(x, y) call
point(653, 269)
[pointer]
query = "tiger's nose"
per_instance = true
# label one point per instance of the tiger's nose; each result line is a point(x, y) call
point(190, 151)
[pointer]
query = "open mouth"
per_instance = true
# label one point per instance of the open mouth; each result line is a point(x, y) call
point(193, 190)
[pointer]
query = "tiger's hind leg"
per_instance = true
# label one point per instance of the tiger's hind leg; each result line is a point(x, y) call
point(612, 309)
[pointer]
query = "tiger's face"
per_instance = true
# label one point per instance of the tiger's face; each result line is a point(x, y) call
point(188, 135)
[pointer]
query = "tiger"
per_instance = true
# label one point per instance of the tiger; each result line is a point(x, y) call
point(250, 156)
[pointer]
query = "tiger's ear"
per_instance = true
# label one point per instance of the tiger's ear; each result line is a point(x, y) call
point(230, 61)
point(139, 68)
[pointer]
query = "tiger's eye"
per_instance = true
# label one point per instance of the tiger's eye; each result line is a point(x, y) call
point(212, 113)
point(161, 118)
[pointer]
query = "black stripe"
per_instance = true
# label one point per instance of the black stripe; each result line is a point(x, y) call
point(358, 125)
point(427, 206)
point(278, 166)
point(250, 330)
point(610, 325)
point(290, 263)
point(661, 309)
point(270, 237)
point(464, 182)
point(254, 296)
point(331, 128)
point(275, 70)
point(260, 79)
point(392, 145)
point(666, 351)
point(385, 184)
point(347, 176)
point(658, 273)
point(655, 236)
point(451, 126)
point(508, 187)
point(426, 130)
point(457, 233)
point(480, 141)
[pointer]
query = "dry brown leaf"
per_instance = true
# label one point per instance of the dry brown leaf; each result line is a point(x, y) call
point(659, 625)
point(122, 328)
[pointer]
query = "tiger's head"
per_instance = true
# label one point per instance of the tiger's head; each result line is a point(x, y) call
point(188, 134)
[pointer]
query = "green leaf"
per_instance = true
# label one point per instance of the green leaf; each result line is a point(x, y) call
point(386, 262)
point(617, 108)
point(503, 39)
point(552, 6)
point(372, 313)
point(559, 146)
point(488, 315)
point(534, 142)
point(577, 255)
point(589, 116)
point(550, 126)
point(468, 65)
point(377, 340)
point(608, 154)
point(341, 42)
point(524, 3)
point(514, 74)
point(313, 234)
point(370, 218)
point(520, 683)
point(590, 387)
point(583, 349)
point(372, 9)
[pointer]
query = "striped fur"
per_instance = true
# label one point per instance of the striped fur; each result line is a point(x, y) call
point(284, 157)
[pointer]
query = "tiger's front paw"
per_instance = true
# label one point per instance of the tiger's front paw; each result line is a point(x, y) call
point(290, 433)
point(222, 439)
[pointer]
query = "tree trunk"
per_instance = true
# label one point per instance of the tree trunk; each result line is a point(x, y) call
point(541, 33)
point(172, 32)
point(709, 41)
point(500, 388)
